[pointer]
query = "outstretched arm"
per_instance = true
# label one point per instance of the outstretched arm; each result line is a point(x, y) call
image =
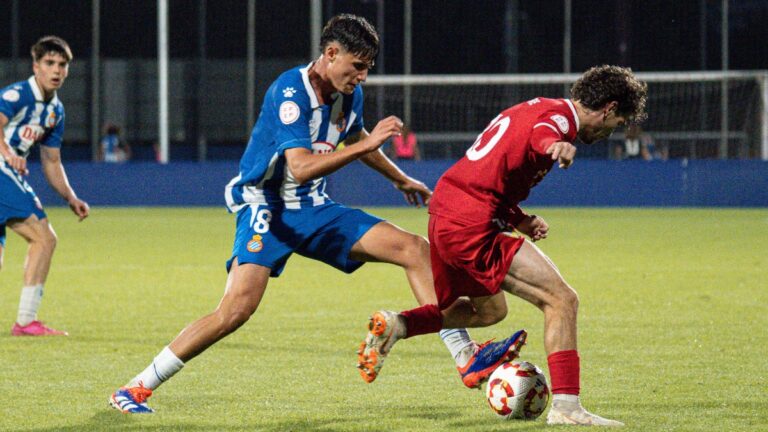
point(306, 166)
point(415, 192)
point(57, 178)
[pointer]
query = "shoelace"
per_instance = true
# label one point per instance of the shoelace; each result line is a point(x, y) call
point(140, 393)
point(488, 352)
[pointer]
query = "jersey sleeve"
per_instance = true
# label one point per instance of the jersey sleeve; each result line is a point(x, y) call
point(549, 128)
point(291, 118)
point(54, 138)
point(10, 102)
point(516, 215)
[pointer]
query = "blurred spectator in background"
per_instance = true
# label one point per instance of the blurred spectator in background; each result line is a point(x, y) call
point(405, 146)
point(112, 149)
point(638, 144)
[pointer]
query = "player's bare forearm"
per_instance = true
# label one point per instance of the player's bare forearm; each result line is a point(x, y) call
point(54, 173)
point(378, 161)
point(5, 149)
point(306, 166)
point(415, 192)
point(9, 154)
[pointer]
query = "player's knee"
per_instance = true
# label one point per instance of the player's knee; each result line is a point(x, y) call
point(568, 299)
point(50, 240)
point(234, 317)
point(491, 316)
point(416, 249)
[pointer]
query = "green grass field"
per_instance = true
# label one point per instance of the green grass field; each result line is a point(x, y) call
point(674, 311)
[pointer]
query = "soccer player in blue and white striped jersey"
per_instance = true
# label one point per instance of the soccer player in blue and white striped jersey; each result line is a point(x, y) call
point(31, 113)
point(280, 201)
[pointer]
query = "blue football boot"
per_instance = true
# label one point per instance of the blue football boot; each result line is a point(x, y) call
point(131, 400)
point(489, 356)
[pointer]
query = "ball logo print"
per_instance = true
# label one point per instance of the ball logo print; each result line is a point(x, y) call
point(517, 390)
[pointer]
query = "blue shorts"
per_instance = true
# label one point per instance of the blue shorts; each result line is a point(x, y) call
point(267, 235)
point(17, 199)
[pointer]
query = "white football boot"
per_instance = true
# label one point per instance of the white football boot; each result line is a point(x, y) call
point(384, 329)
point(572, 413)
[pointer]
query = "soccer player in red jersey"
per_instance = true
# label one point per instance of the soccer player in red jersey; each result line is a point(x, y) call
point(474, 213)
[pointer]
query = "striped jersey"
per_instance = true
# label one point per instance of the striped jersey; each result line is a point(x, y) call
point(292, 117)
point(30, 118)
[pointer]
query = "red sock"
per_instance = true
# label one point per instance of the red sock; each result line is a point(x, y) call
point(564, 372)
point(422, 320)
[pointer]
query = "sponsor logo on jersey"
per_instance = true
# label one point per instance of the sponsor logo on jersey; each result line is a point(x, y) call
point(322, 147)
point(289, 92)
point(341, 122)
point(29, 134)
point(255, 244)
point(11, 95)
point(561, 122)
point(289, 112)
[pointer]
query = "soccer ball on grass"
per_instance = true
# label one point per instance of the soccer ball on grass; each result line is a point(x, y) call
point(517, 390)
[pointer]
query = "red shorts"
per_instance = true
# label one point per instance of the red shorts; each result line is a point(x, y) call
point(469, 259)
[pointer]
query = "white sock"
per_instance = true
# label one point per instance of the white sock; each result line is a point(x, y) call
point(29, 304)
point(459, 344)
point(569, 399)
point(162, 368)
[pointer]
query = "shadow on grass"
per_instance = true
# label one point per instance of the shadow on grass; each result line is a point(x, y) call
point(114, 421)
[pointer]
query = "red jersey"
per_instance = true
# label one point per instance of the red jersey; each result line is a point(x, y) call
point(507, 160)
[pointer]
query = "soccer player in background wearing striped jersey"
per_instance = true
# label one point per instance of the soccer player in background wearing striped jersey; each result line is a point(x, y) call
point(31, 113)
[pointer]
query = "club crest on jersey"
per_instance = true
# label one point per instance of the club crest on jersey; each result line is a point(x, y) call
point(51, 120)
point(289, 92)
point(322, 147)
point(561, 122)
point(11, 95)
point(341, 122)
point(255, 244)
point(289, 112)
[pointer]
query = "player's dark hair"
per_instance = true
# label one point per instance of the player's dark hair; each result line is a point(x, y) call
point(48, 44)
point(603, 84)
point(354, 33)
point(111, 129)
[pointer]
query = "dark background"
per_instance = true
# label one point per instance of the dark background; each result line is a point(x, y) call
point(449, 36)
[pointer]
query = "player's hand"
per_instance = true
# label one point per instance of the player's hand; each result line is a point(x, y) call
point(415, 192)
point(534, 227)
point(563, 152)
point(384, 130)
point(18, 163)
point(79, 208)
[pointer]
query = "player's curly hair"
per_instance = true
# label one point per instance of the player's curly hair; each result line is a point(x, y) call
point(603, 84)
point(352, 32)
point(47, 44)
